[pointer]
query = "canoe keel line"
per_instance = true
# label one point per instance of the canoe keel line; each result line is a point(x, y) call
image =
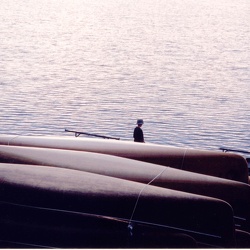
point(78, 192)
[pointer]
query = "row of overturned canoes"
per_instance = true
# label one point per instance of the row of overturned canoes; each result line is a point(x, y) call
point(93, 193)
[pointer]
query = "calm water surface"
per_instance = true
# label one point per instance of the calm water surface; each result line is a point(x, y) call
point(97, 66)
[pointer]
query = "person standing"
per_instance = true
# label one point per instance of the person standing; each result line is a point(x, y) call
point(138, 133)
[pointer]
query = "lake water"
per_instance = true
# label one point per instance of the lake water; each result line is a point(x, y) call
point(99, 65)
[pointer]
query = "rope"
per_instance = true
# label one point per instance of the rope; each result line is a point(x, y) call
point(13, 139)
point(183, 158)
point(130, 226)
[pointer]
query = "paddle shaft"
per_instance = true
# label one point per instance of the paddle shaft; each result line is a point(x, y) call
point(234, 150)
point(89, 134)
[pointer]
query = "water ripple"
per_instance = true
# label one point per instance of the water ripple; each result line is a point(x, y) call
point(97, 66)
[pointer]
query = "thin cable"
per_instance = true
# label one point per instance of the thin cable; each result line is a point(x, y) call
point(183, 158)
point(130, 225)
point(13, 139)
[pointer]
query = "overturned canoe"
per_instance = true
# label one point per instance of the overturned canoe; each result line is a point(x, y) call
point(41, 188)
point(214, 163)
point(235, 193)
point(40, 227)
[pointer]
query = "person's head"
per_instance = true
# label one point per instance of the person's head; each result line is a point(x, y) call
point(140, 122)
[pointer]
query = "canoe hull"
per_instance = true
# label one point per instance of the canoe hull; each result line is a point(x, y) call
point(42, 227)
point(235, 193)
point(73, 191)
point(214, 163)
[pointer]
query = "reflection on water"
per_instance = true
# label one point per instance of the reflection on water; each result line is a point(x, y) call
point(98, 66)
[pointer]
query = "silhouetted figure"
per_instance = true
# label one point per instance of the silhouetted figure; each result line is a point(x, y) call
point(138, 133)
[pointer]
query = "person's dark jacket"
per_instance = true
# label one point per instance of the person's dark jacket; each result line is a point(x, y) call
point(138, 135)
